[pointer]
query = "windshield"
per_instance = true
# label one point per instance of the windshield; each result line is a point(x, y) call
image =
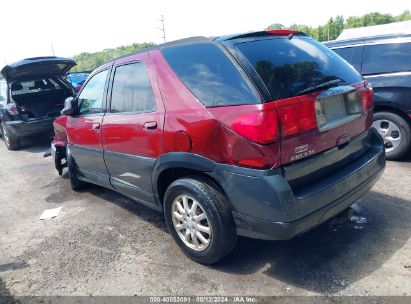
point(289, 66)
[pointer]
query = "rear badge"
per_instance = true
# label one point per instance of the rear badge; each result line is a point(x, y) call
point(302, 152)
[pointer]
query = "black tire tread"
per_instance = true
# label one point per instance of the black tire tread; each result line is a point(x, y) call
point(75, 183)
point(218, 209)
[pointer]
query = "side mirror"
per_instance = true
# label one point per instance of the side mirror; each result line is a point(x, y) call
point(2, 98)
point(70, 107)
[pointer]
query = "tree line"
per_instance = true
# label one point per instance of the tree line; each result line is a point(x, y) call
point(90, 61)
point(335, 25)
point(329, 31)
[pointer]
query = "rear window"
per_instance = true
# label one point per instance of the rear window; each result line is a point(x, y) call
point(288, 66)
point(210, 75)
point(387, 58)
point(34, 86)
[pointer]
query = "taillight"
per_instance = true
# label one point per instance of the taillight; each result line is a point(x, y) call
point(260, 127)
point(257, 123)
point(297, 115)
point(12, 109)
point(367, 96)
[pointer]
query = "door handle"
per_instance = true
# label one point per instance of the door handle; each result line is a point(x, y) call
point(150, 125)
point(96, 126)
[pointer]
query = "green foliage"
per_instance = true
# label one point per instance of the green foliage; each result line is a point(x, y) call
point(90, 61)
point(333, 28)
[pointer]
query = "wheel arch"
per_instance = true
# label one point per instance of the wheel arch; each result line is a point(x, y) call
point(175, 165)
point(394, 110)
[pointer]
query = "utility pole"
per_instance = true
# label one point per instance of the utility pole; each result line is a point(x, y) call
point(163, 28)
point(52, 48)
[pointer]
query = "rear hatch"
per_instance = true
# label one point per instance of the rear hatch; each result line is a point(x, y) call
point(320, 100)
point(33, 68)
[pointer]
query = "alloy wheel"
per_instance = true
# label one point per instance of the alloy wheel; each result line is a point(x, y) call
point(390, 132)
point(191, 222)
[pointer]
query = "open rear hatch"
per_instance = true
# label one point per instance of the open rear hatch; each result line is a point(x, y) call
point(32, 68)
point(37, 88)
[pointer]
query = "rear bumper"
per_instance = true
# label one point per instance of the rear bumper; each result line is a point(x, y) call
point(20, 128)
point(266, 206)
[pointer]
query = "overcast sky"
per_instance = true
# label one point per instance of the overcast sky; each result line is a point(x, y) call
point(30, 27)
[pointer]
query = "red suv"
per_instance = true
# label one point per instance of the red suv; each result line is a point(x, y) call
point(264, 135)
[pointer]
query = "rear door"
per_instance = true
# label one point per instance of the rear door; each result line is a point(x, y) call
point(84, 130)
point(132, 129)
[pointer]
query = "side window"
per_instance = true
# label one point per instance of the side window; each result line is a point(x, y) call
point(210, 75)
point(346, 53)
point(352, 55)
point(91, 97)
point(3, 94)
point(387, 58)
point(131, 89)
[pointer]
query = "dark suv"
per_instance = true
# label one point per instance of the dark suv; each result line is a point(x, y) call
point(264, 135)
point(385, 62)
point(32, 96)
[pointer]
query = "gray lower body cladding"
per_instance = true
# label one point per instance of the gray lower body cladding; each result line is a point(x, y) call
point(276, 204)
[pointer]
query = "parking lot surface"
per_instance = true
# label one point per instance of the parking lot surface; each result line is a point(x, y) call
point(104, 244)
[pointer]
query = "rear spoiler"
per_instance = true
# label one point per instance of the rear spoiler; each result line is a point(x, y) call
point(289, 33)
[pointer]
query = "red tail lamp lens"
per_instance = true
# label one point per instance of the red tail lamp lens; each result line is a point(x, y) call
point(12, 109)
point(367, 96)
point(261, 126)
point(297, 116)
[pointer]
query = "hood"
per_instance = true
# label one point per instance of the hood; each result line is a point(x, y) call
point(37, 67)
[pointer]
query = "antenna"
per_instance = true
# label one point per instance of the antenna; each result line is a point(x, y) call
point(52, 48)
point(163, 28)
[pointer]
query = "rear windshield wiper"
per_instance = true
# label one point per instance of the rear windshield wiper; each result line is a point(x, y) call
point(320, 86)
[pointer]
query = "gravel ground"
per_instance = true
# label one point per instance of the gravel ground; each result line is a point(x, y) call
point(104, 244)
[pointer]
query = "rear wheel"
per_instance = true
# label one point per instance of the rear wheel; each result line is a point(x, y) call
point(75, 183)
point(199, 218)
point(12, 142)
point(395, 131)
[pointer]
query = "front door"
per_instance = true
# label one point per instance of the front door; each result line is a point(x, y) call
point(132, 129)
point(84, 130)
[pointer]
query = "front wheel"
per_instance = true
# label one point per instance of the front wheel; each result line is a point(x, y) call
point(199, 218)
point(395, 131)
point(75, 183)
point(12, 143)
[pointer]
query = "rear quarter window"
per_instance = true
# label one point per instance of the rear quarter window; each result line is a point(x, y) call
point(288, 66)
point(210, 75)
point(387, 58)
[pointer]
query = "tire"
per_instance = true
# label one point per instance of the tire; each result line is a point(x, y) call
point(222, 237)
point(395, 131)
point(75, 183)
point(12, 143)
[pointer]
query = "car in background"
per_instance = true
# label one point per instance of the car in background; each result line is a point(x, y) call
point(77, 79)
point(264, 135)
point(32, 95)
point(385, 62)
point(3, 99)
